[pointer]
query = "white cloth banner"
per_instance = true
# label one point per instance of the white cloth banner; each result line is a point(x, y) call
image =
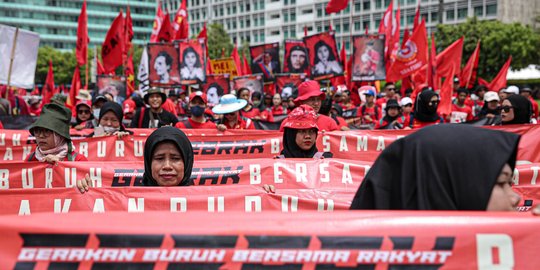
point(24, 59)
point(142, 75)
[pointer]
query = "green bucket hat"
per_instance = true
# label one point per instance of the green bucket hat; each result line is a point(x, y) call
point(155, 90)
point(54, 117)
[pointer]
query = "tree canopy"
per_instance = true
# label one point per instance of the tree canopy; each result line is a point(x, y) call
point(218, 39)
point(498, 42)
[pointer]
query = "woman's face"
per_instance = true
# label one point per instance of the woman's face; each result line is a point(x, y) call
point(167, 164)
point(276, 100)
point(160, 65)
point(244, 95)
point(393, 112)
point(507, 112)
point(232, 117)
point(493, 105)
point(155, 101)
point(503, 197)
point(44, 138)
point(190, 59)
point(83, 113)
point(323, 53)
point(305, 138)
point(109, 119)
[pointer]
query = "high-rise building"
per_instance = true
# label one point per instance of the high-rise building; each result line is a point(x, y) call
point(264, 21)
point(56, 20)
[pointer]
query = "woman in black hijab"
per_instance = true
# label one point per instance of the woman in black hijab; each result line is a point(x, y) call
point(168, 160)
point(445, 167)
point(516, 109)
point(300, 135)
point(425, 110)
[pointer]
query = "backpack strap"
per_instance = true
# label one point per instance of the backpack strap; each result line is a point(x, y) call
point(141, 116)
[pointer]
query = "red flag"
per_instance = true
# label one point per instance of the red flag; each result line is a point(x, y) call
point(367, 30)
point(432, 66)
point(81, 50)
point(75, 87)
point(158, 20)
point(406, 35)
point(166, 33)
point(483, 82)
point(246, 68)
point(100, 69)
point(445, 105)
point(499, 81)
point(35, 92)
point(305, 31)
point(343, 56)
point(449, 60)
point(335, 6)
point(416, 16)
point(203, 33)
point(411, 58)
point(236, 58)
point(468, 74)
point(181, 23)
point(130, 77)
point(112, 49)
point(385, 27)
point(48, 88)
point(128, 31)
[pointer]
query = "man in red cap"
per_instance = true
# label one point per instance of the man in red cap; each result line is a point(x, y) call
point(309, 93)
point(197, 107)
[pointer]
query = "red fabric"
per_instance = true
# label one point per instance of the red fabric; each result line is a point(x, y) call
point(75, 87)
point(445, 105)
point(130, 76)
point(78, 157)
point(246, 67)
point(385, 27)
point(405, 84)
point(534, 106)
point(371, 112)
point(406, 36)
point(209, 69)
point(240, 124)
point(335, 6)
point(279, 110)
point(197, 125)
point(432, 66)
point(341, 122)
point(113, 46)
point(468, 74)
point(449, 60)
point(166, 33)
point(1, 125)
point(499, 81)
point(382, 123)
point(403, 66)
point(181, 23)
point(48, 88)
point(236, 58)
point(416, 17)
point(158, 20)
point(170, 107)
point(100, 69)
point(204, 34)
point(81, 51)
point(326, 123)
point(460, 114)
point(419, 124)
point(255, 113)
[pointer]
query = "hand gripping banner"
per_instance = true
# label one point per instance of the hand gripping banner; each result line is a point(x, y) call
point(236, 240)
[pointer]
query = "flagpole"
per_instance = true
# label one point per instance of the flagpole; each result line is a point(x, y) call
point(11, 61)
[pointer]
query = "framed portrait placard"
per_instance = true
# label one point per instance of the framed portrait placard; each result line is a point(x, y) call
point(368, 58)
point(265, 60)
point(295, 57)
point(163, 64)
point(192, 59)
point(323, 56)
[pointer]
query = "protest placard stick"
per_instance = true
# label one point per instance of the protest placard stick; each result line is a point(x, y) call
point(12, 56)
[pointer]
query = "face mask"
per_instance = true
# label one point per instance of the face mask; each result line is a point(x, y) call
point(256, 103)
point(197, 110)
point(110, 130)
point(96, 113)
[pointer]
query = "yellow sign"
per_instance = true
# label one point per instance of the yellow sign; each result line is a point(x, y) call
point(224, 66)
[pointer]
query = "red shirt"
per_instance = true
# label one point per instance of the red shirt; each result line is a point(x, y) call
point(196, 125)
point(326, 123)
point(1, 125)
point(347, 107)
point(460, 114)
point(78, 157)
point(371, 112)
point(240, 124)
point(279, 110)
point(534, 106)
point(382, 123)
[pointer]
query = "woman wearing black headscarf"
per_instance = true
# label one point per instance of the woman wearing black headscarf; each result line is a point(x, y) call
point(168, 160)
point(425, 111)
point(110, 122)
point(445, 167)
point(300, 135)
point(516, 109)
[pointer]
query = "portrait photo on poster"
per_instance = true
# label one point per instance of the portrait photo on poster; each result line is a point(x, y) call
point(113, 85)
point(287, 84)
point(216, 86)
point(265, 60)
point(163, 65)
point(192, 54)
point(368, 58)
point(323, 55)
point(296, 57)
point(252, 82)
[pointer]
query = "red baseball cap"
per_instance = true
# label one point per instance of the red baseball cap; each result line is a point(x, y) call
point(309, 89)
point(128, 106)
point(199, 94)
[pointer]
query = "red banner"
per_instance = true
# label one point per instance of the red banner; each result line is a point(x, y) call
point(234, 240)
point(365, 145)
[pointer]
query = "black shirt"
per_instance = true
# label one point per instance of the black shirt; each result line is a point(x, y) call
point(165, 118)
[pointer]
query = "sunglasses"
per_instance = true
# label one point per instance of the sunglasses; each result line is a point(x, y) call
point(83, 111)
point(506, 108)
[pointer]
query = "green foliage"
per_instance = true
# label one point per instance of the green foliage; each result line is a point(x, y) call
point(498, 42)
point(245, 50)
point(63, 65)
point(218, 39)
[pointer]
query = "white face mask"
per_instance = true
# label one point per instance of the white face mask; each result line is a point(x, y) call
point(96, 113)
point(110, 130)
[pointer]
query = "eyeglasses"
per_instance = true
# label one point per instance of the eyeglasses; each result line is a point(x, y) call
point(506, 108)
point(84, 112)
point(42, 131)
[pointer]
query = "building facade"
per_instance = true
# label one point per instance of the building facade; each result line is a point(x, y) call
point(56, 20)
point(265, 21)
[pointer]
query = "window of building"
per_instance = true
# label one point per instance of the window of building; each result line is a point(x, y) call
point(234, 10)
point(293, 17)
point(319, 12)
point(274, 33)
point(450, 15)
point(367, 24)
point(274, 16)
point(293, 33)
point(228, 10)
point(307, 11)
point(357, 26)
point(434, 16)
point(462, 13)
point(241, 8)
point(293, 2)
point(248, 7)
point(256, 38)
point(378, 4)
point(261, 38)
point(357, 7)
point(347, 10)
point(319, 28)
point(410, 20)
point(286, 2)
point(346, 27)
point(220, 11)
point(256, 5)
point(347, 45)
point(286, 17)
point(261, 4)
point(256, 21)
point(366, 5)
point(491, 9)
point(338, 28)
point(478, 11)
point(285, 34)
point(262, 21)
point(241, 23)
point(234, 24)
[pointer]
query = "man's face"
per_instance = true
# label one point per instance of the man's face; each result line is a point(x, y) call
point(161, 66)
point(525, 94)
point(267, 58)
point(313, 102)
point(462, 97)
point(390, 91)
point(298, 58)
